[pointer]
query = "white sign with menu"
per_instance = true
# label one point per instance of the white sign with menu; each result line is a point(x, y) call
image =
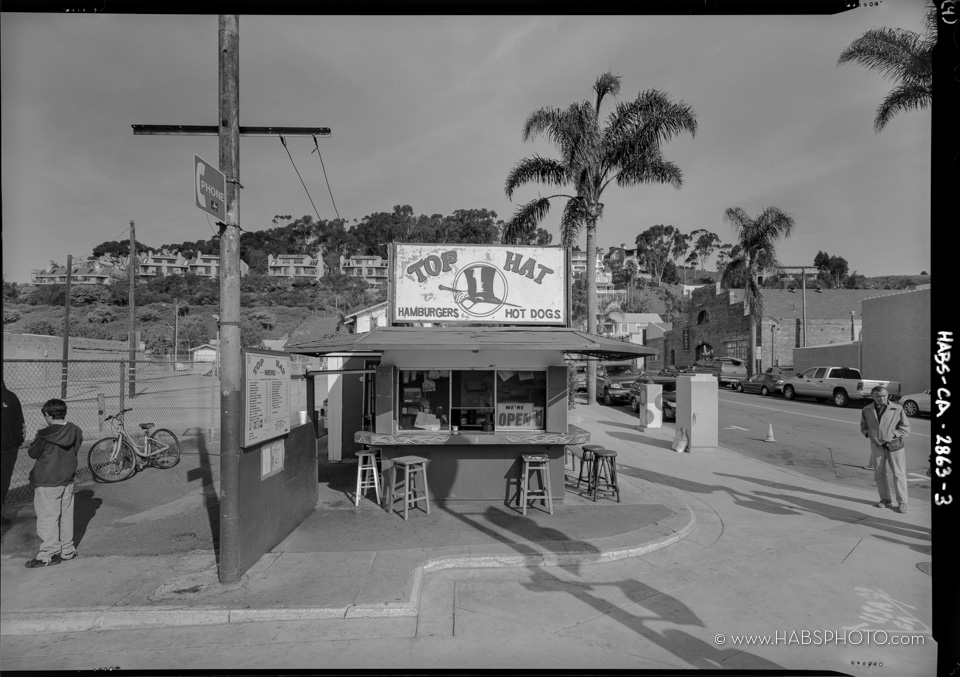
point(266, 401)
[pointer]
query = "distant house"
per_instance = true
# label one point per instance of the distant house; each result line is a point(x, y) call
point(372, 269)
point(89, 272)
point(295, 266)
point(161, 264)
point(206, 352)
point(366, 319)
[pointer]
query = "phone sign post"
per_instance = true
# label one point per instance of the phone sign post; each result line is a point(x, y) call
point(211, 188)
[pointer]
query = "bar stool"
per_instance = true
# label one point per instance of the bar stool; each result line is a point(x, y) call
point(368, 477)
point(411, 466)
point(538, 464)
point(605, 467)
point(587, 463)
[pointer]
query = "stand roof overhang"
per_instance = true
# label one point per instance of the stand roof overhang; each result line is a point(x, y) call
point(572, 343)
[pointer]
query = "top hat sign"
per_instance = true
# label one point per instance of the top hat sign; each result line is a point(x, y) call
point(478, 283)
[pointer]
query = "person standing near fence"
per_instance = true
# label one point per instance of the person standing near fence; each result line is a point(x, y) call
point(55, 450)
point(13, 433)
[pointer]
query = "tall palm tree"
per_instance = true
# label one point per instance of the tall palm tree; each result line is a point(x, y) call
point(626, 150)
point(903, 55)
point(757, 240)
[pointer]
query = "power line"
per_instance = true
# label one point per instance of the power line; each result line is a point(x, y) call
point(284, 142)
point(325, 175)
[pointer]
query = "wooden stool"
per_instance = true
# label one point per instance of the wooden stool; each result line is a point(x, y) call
point(535, 463)
point(410, 465)
point(605, 460)
point(587, 463)
point(368, 477)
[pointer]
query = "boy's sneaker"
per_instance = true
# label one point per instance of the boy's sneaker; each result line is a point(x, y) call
point(67, 559)
point(36, 563)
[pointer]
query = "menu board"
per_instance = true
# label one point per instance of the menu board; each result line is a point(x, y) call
point(266, 396)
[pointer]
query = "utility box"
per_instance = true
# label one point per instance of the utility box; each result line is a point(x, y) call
point(697, 410)
point(650, 405)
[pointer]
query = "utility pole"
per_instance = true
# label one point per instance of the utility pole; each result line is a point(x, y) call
point(230, 416)
point(803, 289)
point(132, 270)
point(229, 132)
point(66, 331)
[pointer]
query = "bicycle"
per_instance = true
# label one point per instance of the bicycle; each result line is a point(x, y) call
point(116, 458)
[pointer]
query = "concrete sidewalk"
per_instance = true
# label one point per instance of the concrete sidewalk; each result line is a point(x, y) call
point(761, 564)
point(343, 561)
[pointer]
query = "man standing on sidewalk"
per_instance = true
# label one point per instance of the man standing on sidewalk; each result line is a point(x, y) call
point(13, 433)
point(55, 450)
point(885, 424)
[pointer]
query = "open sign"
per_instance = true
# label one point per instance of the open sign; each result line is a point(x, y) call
point(519, 415)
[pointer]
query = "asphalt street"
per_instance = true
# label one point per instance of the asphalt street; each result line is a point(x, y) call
point(813, 438)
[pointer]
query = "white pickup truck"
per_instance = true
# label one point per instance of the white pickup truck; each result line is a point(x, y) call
point(840, 384)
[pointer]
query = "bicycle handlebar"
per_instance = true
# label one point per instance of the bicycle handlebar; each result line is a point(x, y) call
point(118, 414)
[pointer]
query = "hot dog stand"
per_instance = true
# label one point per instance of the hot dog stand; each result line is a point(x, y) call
point(472, 399)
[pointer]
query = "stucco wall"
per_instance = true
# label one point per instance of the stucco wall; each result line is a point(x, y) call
point(896, 339)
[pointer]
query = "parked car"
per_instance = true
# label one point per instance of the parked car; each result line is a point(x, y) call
point(840, 384)
point(765, 384)
point(613, 381)
point(916, 404)
point(728, 370)
point(579, 377)
point(669, 395)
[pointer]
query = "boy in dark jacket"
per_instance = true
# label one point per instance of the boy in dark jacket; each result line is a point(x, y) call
point(55, 450)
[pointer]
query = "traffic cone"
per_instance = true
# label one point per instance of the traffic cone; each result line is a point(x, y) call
point(770, 434)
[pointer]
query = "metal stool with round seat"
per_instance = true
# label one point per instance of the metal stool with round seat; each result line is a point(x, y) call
point(605, 468)
point(410, 466)
point(539, 464)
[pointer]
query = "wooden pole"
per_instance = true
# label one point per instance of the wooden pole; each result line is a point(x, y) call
point(230, 366)
point(66, 330)
point(132, 274)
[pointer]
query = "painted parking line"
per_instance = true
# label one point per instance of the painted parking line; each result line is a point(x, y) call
point(735, 427)
point(822, 418)
point(918, 476)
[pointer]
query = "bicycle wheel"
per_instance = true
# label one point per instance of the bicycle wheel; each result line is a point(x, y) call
point(165, 448)
point(108, 466)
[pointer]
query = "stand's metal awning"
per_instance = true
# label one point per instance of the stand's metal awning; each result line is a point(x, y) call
point(572, 343)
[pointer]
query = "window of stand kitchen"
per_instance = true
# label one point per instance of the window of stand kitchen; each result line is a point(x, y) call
point(472, 400)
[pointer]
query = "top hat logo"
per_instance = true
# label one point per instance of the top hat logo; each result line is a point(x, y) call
point(480, 289)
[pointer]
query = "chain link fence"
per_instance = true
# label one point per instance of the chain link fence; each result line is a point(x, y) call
point(181, 396)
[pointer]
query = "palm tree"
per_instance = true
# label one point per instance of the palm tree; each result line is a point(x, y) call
point(903, 55)
point(757, 239)
point(625, 151)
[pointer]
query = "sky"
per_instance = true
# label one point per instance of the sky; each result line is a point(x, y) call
point(427, 111)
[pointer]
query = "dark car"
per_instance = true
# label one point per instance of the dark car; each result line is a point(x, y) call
point(613, 381)
point(765, 384)
point(669, 395)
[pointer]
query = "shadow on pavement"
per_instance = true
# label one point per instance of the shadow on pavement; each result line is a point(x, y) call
point(85, 506)
point(204, 473)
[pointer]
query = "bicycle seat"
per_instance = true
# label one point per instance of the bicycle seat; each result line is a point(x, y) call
point(146, 426)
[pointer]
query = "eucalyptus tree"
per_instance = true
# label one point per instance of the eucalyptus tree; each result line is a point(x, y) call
point(902, 55)
point(626, 151)
point(757, 241)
